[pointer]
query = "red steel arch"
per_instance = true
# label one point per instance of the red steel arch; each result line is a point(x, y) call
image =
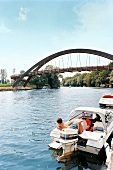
point(42, 62)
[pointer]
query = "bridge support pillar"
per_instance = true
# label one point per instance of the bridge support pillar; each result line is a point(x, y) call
point(27, 81)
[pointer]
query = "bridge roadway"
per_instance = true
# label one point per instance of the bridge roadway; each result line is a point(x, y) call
point(63, 70)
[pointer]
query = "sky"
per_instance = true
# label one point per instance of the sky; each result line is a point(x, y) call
point(31, 30)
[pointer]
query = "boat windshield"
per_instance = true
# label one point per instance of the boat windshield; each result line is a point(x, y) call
point(71, 114)
point(81, 114)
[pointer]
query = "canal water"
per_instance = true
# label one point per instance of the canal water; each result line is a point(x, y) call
point(26, 120)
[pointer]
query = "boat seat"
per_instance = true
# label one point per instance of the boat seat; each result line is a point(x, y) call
point(98, 126)
point(91, 135)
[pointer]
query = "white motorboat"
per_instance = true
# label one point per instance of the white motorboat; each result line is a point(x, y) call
point(46, 87)
point(106, 101)
point(69, 139)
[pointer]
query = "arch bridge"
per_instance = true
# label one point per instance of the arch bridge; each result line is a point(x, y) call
point(34, 70)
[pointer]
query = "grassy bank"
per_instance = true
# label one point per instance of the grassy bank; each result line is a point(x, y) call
point(8, 87)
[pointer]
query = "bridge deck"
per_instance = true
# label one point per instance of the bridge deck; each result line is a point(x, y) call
point(63, 70)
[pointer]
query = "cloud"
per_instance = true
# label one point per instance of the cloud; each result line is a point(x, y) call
point(93, 25)
point(23, 14)
point(4, 29)
point(95, 16)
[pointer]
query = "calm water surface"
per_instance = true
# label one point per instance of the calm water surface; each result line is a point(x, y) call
point(26, 120)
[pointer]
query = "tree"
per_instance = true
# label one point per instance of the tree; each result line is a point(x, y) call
point(93, 79)
point(66, 81)
point(39, 81)
point(111, 79)
point(104, 77)
point(14, 70)
point(87, 80)
point(3, 74)
point(46, 79)
point(53, 80)
point(22, 72)
point(49, 67)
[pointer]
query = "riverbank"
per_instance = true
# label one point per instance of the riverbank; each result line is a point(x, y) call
point(15, 89)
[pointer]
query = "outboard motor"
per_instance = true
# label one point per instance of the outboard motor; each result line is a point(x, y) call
point(69, 134)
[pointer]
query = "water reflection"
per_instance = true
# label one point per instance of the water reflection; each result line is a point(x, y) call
point(80, 161)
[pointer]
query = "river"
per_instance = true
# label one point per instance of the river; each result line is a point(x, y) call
point(26, 120)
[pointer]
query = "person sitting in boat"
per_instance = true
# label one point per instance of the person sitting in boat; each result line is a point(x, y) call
point(80, 127)
point(87, 124)
point(61, 124)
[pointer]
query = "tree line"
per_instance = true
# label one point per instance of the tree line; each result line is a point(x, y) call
point(90, 79)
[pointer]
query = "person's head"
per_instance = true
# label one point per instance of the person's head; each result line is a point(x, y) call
point(59, 121)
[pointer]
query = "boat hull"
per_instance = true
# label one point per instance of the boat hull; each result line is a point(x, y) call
point(106, 101)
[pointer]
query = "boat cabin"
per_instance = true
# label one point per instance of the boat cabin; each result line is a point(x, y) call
point(101, 119)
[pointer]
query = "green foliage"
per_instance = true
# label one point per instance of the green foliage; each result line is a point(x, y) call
point(94, 79)
point(52, 80)
point(111, 78)
point(3, 76)
point(39, 81)
point(22, 72)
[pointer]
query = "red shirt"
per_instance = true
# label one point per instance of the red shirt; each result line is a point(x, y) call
point(88, 122)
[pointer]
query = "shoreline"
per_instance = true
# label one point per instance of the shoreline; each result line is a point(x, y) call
point(32, 88)
point(15, 89)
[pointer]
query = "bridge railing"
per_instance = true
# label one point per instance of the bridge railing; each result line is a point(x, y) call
point(63, 70)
